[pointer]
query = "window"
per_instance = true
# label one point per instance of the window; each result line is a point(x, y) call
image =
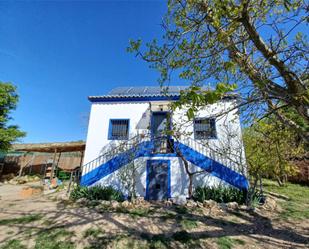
point(204, 128)
point(118, 129)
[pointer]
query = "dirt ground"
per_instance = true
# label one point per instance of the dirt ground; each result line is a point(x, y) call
point(52, 221)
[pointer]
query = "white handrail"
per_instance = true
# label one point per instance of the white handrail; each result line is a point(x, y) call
point(129, 144)
point(125, 146)
point(201, 148)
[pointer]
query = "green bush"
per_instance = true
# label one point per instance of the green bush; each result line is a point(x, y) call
point(96, 193)
point(219, 194)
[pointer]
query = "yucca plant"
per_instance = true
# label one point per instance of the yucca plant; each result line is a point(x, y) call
point(219, 194)
point(96, 193)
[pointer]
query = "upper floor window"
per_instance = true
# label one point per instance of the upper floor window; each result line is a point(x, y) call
point(205, 128)
point(118, 129)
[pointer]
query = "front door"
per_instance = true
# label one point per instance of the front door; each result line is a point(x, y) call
point(159, 121)
point(157, 186)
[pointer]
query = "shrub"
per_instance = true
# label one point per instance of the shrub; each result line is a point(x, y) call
point(96, 193)
point(219, 194)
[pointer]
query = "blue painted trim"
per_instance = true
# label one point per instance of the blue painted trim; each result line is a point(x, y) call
point(153, 113)
point(147, 180)
point(109, 136)
point(215, 168)
point(168, 116)
point(151, 122)
point(148, 164)
point(145, 148)
point(169, 195)
point(160, 155)
point(116, 163)
point(132, 99)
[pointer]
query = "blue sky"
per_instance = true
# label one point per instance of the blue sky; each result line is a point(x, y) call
point(58, 53)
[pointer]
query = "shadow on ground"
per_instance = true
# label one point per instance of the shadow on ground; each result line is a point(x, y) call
point(154, 225)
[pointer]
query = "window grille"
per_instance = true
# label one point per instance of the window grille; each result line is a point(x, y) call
point(118, 129)
point(205, 128)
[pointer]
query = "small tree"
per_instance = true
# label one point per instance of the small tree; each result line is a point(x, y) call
point(229, 147)
point(269, 149)
point(8, 102)
point(129, 173)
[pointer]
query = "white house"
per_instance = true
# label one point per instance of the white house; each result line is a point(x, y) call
point(128, 125)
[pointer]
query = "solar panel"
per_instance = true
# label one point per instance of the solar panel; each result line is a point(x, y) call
point(118, 90)
point(153, 90)
point(138, 90)
point(145, 90)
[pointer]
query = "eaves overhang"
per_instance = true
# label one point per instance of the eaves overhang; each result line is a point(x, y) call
point(110, 98)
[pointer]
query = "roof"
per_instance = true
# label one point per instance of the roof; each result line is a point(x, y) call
point(139, 93)
point(144, 93)
point(147, 91)
point(50, 147)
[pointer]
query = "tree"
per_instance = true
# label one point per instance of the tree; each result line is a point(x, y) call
point(8, 102)
point(228, 149)
point(269, 148)
point(256, 44)
point(129, 174)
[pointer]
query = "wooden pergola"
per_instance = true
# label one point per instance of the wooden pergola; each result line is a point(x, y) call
point(50, 147)
point(54, 148)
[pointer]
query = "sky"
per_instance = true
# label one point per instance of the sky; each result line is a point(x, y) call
point(58, 53)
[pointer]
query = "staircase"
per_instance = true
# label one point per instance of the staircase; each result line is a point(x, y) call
point(211, 161)
point(141, 146)
point(117, 157)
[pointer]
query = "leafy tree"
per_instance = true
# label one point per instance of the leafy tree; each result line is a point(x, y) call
point(8, 101)
point(256, 44)
point(269, 148)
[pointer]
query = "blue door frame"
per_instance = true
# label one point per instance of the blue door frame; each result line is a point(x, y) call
point(147, 197)
point(168, 116)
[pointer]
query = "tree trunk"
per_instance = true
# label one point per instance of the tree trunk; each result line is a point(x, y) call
point(279, 181)
point(190, 174)
point(190, 188)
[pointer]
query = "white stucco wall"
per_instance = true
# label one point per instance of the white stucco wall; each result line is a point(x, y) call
point(229, 135)
point(100, 115)
point(227, 125)
point(179, 178)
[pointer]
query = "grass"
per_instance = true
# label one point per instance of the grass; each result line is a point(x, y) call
point(297, 207)
point(188, 224)
point(181, 210)
point(48, 222)
point(136, 212)
point(129, 242)
point(120, 241)
point(58, 238)
point(139, 212)
point(157, 245)
point(169, 215)
point(228, 243)
point(93, 232)
point(21, 220)
point(13, 244)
